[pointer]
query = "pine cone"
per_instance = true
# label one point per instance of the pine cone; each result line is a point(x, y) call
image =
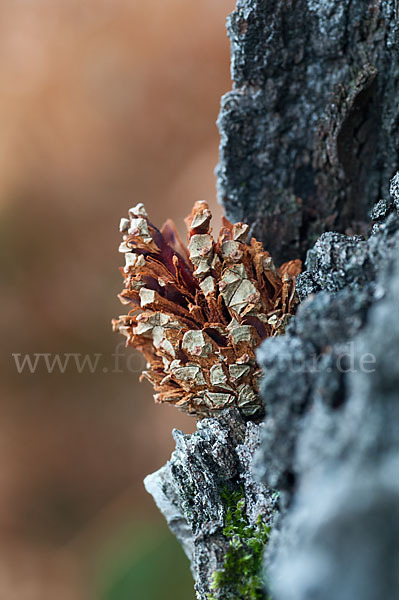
point(198, 314)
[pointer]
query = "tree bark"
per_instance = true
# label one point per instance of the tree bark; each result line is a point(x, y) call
point(309, 133)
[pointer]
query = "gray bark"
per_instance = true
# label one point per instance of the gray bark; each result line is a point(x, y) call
point(189, 490)
point(310, 131)
point(331, 441)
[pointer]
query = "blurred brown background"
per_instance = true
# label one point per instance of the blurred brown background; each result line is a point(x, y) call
point(103, 104)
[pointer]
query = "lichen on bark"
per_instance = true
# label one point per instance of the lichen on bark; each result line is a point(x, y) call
point(210, 499)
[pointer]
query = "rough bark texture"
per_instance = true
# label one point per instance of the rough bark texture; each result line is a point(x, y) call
point(309, 143)
point(192, 491)
point(310, 131)
point(331, 436)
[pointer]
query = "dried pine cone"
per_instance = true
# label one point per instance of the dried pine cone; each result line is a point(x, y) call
point(199, 313)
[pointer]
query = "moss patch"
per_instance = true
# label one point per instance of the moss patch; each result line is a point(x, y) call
point(240, 576)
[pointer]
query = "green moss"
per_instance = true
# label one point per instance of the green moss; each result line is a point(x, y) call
point(240, 576)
